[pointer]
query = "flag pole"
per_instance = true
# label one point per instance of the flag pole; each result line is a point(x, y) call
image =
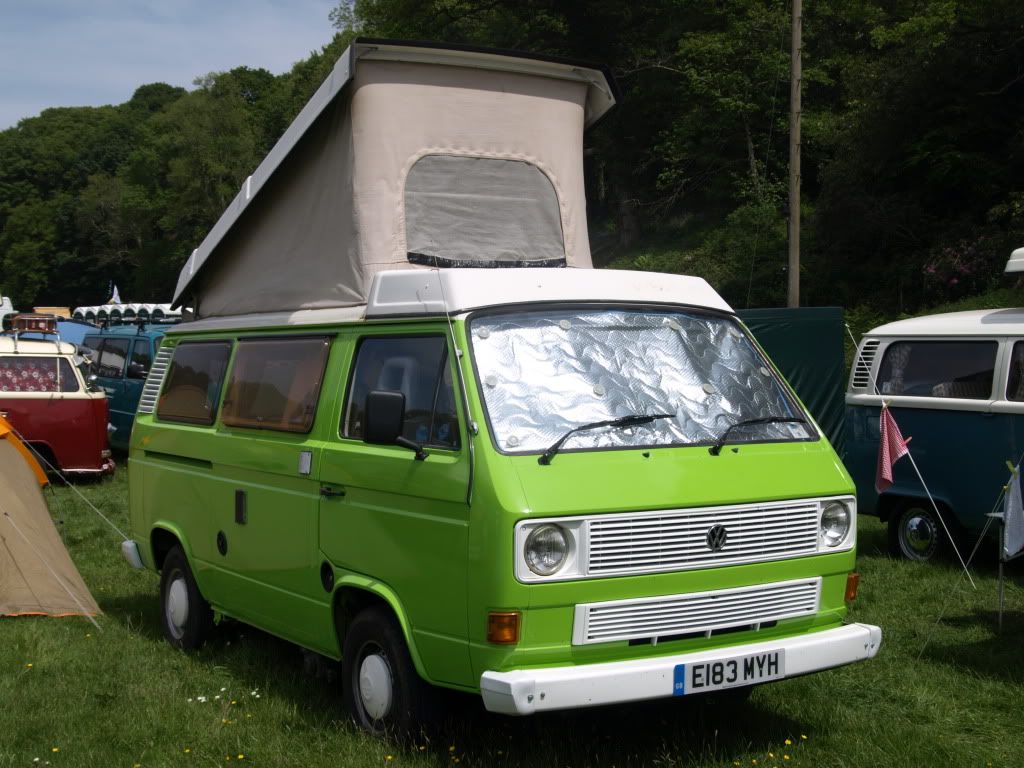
point(937, 513)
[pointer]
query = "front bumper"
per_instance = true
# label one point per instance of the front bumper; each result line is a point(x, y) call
point(525, 691)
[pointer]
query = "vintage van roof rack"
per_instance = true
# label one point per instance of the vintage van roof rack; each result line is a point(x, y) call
point(409, 155)
point(35, 322)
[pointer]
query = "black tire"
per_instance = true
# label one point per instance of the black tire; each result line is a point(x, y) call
point(916, 533)
point(185, 616)
point(380, 685)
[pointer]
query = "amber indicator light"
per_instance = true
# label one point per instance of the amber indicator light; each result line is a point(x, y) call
point(503, 627)
point(852, 582)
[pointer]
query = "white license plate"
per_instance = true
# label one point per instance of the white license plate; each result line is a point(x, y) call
point(703, 676)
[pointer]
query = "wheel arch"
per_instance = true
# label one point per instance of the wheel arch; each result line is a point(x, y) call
point(354, 593)
point(45, 451)
point(162, 539)
point(890, 504)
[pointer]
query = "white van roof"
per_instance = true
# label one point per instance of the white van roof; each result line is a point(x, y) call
point(37, 347)
point(432, 293)
point(977, 322)
point(1016, 262)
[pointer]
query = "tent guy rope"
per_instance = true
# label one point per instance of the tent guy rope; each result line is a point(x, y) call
point(42, 460)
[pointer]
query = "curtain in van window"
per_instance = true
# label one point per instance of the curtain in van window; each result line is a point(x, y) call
point(36, 374)
point(900, 357)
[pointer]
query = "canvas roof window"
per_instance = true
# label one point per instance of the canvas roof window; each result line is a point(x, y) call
point(37, 575)
point(409, 155)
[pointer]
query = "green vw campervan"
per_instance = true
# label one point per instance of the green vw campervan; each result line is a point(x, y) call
point(423, 436)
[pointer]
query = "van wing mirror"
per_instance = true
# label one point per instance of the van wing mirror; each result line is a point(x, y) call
point(384, 418)
point(137, 371)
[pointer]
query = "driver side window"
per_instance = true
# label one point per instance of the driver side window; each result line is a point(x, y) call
point(416, 366)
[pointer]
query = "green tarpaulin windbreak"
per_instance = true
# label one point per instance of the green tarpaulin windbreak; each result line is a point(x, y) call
point(806, 343)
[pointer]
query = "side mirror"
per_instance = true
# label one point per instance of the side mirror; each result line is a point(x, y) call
point(137, 371)
point(384, 418)
point(384, 415)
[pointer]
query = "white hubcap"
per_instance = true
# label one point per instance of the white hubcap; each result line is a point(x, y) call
point(375, 686)
point(177, 605)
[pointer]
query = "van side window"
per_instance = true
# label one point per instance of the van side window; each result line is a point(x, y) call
point(275, 383)
point(36, 374)
point(112, 359)
point(1015, 381)
point(418, 368)
point(962, 369)
point(142, 359)
point(193, 382)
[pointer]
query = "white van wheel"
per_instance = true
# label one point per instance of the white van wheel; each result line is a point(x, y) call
point(381, 687)
point(186, 617)
point(176, 607)
point(376, 687)
point(915, 533)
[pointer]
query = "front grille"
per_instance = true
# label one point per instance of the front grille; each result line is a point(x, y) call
point(699, 612)
point(678, 540)
point(155, 380)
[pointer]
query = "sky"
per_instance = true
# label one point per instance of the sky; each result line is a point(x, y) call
point(72, 53)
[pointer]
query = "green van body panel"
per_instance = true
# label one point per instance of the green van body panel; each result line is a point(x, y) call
point(438, 551)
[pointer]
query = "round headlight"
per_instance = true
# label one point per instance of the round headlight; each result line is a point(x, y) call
point(546, 549)
point(835, 523)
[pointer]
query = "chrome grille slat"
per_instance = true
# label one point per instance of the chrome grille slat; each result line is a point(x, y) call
point(668, 605)
point(680, 542)
point(650, 618)
point(780, 526)
point(698, 518)
point(736, 616)
point(677, 540)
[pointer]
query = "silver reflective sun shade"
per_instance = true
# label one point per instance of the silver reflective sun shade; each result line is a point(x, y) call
point(543, 373)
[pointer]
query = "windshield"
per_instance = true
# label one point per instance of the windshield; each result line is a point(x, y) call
point(543, 373)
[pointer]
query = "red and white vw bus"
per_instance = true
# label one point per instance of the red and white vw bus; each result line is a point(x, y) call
point(46, 397)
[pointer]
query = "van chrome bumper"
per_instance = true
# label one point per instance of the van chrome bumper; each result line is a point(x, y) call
point(525, 691)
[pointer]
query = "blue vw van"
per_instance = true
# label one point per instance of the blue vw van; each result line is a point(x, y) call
point(955, 386)
point(122, 356)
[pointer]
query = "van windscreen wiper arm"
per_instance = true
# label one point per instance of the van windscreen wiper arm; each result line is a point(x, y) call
point(619, 423)
point(716, 449)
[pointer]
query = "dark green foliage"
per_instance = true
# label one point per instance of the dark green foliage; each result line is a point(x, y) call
point(913, 151)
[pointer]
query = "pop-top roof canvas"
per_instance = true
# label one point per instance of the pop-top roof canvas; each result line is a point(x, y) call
point(407, 156)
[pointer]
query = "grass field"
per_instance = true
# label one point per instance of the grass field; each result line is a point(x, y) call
point(939, 693)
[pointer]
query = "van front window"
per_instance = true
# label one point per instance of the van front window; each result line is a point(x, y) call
point(545, 373)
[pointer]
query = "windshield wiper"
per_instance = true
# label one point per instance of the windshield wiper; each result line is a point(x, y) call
point(716, 449)
point(619, 423)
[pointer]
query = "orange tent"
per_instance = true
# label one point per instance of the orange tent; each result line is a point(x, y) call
point(37, 575)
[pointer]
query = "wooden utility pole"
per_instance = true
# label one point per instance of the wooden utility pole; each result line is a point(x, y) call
point(795, 82)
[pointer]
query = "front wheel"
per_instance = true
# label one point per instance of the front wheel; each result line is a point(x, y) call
point(380, 685)
point(916, 533)
point(185, 616)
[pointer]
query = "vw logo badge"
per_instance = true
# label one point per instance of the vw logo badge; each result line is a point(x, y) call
point(716, 538)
